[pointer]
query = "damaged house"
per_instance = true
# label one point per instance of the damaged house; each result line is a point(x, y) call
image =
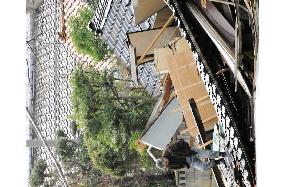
point(201, 56)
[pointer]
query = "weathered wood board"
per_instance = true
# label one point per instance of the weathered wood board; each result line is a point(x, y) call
point(143, 9)
point(162, 17)
point(141, 40)
point(188, 84)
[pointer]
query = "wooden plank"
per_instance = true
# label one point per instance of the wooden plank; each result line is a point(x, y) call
point(156, 37)
point(62, 28)
point(188, 84)
point(133, 68)
point(183, 67)
point(203, 3)
point(162, 17)
point(204, 102)
point(148, 36)
point(167, 91)
point(146, 8)
point(184, 131)
point(160, 55)
point(208, 119)
point(202, 98)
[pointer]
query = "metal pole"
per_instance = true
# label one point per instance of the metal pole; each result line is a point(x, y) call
point(48, 150)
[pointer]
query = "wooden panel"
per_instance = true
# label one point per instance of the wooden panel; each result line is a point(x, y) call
point(146, 8)
point(188, 84)
point(160, 55)
point(141, 40)
point(167, 91)
point(161, 18)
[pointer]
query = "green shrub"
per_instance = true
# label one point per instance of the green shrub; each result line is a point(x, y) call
point(144, 159)
point(37, 175)
point(86, 41)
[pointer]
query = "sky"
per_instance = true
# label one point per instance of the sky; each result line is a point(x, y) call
point(13, 162)
point(269, 102)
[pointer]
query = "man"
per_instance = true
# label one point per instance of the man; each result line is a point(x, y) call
point(179, 154)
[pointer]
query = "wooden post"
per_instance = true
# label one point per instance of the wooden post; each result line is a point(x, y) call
point(62, 32)
point(133, 68)
point(203, 3)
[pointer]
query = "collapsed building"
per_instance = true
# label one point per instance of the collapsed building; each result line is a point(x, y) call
point(201, 56)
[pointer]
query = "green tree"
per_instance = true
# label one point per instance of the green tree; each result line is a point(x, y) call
point(38, 175)
point(86, 41)
point(60, 134)
point(72, 152)
point(74, 156)
point(65, 148)
point(108, 116)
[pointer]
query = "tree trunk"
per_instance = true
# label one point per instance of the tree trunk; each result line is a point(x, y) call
point(76, 142)
point(145, 101)
point(124, 80)
point(133, 97)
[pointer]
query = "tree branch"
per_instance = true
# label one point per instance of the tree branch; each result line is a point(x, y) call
point(34, 38)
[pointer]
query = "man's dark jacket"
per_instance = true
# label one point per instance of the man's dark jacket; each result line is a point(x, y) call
point(176, 152)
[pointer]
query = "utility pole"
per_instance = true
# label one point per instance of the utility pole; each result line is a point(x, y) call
point(57, 166)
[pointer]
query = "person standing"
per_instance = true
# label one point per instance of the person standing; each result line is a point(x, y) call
point(179, 154)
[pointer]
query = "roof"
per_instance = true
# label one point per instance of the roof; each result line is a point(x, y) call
point(102, 10)
point(118, 20)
